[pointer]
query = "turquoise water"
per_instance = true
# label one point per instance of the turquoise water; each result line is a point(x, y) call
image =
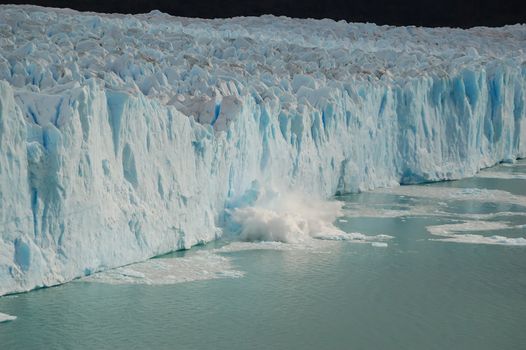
point(416, 293)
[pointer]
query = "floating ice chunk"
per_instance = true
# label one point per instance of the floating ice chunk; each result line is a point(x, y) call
point(449, 229)
point(479, 239)
point(418, 209)
point(501, 175)
point(6, 317)
point(353, 236)
point(456, 194)
point(450, 233)
point(241, 246)
point(379, 244)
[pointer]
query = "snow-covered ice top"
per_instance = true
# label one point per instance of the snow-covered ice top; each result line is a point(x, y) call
point(125, 137)
point(193, 64)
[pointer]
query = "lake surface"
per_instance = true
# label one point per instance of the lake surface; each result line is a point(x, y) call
point(444, 281)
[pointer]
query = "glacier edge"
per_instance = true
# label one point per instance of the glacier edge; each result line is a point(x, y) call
point(145, 179)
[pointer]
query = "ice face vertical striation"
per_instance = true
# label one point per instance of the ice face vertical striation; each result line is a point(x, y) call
point(124, 137)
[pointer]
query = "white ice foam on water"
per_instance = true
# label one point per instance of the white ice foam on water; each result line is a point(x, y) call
point(126, 136)
point(450, 233)
point(238, 246)
point(293, 218)
point(437, 199)
point(355, 237)
point(448, 229)
point(359, 210)
point(289, 218)
point(6, 317)
point(501, 175)
point(313, 246)
point(201, 265)
point(209, 264)
point(456, 194)
point(479, 239)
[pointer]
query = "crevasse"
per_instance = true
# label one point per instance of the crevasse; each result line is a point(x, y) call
point(128, 137)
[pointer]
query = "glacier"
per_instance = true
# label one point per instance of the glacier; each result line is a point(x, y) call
point(125, 137)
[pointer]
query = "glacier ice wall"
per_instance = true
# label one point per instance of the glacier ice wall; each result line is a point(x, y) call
point(125, 137)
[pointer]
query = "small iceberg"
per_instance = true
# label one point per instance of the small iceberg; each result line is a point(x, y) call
point(6, 318)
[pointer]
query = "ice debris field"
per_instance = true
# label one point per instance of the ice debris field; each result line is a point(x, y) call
point(125, 137)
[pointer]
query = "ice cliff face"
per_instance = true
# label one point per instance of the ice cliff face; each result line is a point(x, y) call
point(125, 137)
